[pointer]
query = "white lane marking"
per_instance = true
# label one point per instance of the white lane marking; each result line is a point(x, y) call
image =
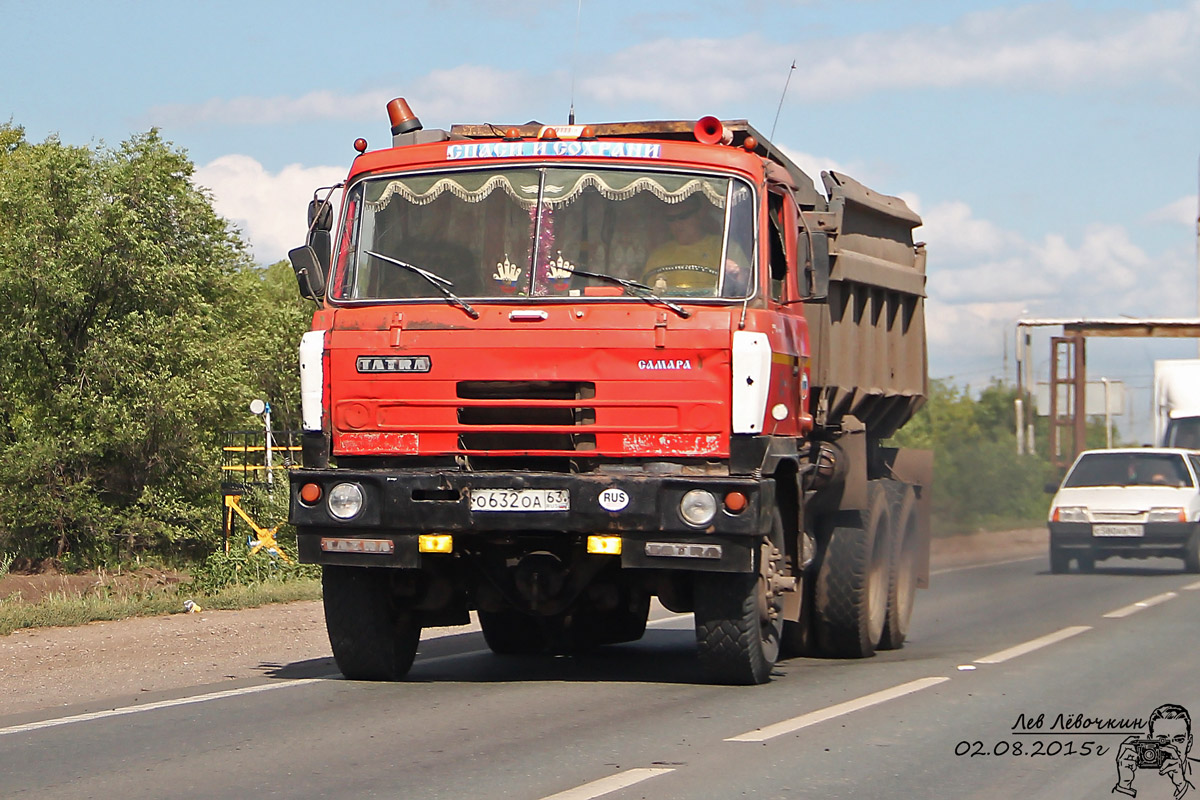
point(1033, 644)
point(1191, 587)
point(1133, 608)
point(813, 717)
point(981, 566)
point(610, 784)
point(182, 701)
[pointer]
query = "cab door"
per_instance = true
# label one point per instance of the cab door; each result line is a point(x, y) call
point(789, 342)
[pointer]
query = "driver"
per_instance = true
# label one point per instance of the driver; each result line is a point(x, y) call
point(690, 259)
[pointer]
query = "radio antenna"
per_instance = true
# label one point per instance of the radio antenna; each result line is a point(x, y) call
point(575, 62)
point(791, 69)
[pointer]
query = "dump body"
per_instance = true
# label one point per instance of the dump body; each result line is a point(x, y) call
point(554, 375)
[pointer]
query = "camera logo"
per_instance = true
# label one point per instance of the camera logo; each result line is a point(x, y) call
point(1165, 751)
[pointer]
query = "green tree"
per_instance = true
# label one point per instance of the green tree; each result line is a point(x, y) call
point(127, 306)
point(978, 477)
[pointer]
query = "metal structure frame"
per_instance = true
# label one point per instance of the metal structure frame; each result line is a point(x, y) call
point(1072, 346)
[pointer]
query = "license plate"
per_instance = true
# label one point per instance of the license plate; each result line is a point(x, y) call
point(333, 545)
point(520, 500)
point(1118, 530)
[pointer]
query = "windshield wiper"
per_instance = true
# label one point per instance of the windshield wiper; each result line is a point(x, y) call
point(436, 280)
point(642, 290)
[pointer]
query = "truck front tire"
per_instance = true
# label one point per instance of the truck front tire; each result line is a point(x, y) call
point(739, 622)
point(372, 639)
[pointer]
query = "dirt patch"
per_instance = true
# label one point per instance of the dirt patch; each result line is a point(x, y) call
point(52, 667)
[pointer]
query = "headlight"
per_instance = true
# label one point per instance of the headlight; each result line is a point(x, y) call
point(1166, 515)
point(698, 507)
point(1070, 514)
point(345, 500)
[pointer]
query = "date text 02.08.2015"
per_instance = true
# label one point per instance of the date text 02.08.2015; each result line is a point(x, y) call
point(1035, 748)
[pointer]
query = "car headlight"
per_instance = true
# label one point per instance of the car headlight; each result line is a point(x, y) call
point(1069, 514)
point(345, 500)
point(1166, 515)
point(698, 507)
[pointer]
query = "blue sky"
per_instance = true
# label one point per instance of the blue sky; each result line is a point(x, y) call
point(1051, 147)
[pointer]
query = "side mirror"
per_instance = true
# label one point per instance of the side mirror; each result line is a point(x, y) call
point(320, 223)
point(309, 274)
point(320, 215)
point(816, 265)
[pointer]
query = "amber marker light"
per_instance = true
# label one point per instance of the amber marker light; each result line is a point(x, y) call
point(604, 545)
point(402, 117)
point(310, 493)
point(735, 502)
point(360, 144)
point(750, 144)
point(435, 543)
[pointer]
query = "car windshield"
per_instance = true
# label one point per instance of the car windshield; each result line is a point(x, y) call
point(1129, 469)
point(525, 233)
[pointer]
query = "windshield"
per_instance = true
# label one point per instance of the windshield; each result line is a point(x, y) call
point(1184, 433)
point(525, 232)
point(1129, 469)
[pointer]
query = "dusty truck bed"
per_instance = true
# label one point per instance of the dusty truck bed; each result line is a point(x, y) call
point(49, 667)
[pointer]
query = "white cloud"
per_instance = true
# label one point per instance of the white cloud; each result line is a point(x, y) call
point(982, 278)
point(465, 91)
point(1027, 46)
point(1032, 46)
point(269, 208)
point(1182, 211)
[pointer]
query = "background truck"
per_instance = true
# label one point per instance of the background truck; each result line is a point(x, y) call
point(558, 371)
point(1177, 403)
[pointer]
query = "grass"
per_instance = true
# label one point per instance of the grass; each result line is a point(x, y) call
point(59, 609)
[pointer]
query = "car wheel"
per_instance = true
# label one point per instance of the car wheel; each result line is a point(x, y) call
point(1086, 562)
point(1191, 554)
point(1059, 560)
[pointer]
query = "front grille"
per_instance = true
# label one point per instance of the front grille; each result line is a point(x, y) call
point(556, 409)
point(526, 390)
point(539, 416)
point(492, 440)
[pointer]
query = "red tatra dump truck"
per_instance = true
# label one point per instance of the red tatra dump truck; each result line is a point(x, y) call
point(556, 371)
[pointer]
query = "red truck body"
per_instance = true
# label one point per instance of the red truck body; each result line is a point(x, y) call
point(516, 402)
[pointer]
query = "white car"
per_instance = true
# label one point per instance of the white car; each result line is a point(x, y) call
point(1131, 502)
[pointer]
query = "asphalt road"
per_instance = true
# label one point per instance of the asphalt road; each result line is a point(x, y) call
point(992, 647)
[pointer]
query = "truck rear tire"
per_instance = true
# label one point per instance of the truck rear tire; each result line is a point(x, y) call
point(902, 575)
point(739, 623)
point(852, 583)
point(372, 639)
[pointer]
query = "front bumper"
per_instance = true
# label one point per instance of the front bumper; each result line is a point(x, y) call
point(1158, 539)
point(400, 505)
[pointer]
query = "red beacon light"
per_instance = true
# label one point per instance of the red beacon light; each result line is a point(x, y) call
point(588, 132)
point(548, 133)
point(750, 144)
point(512, 135)
point(709, 130)
point(360, 144)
